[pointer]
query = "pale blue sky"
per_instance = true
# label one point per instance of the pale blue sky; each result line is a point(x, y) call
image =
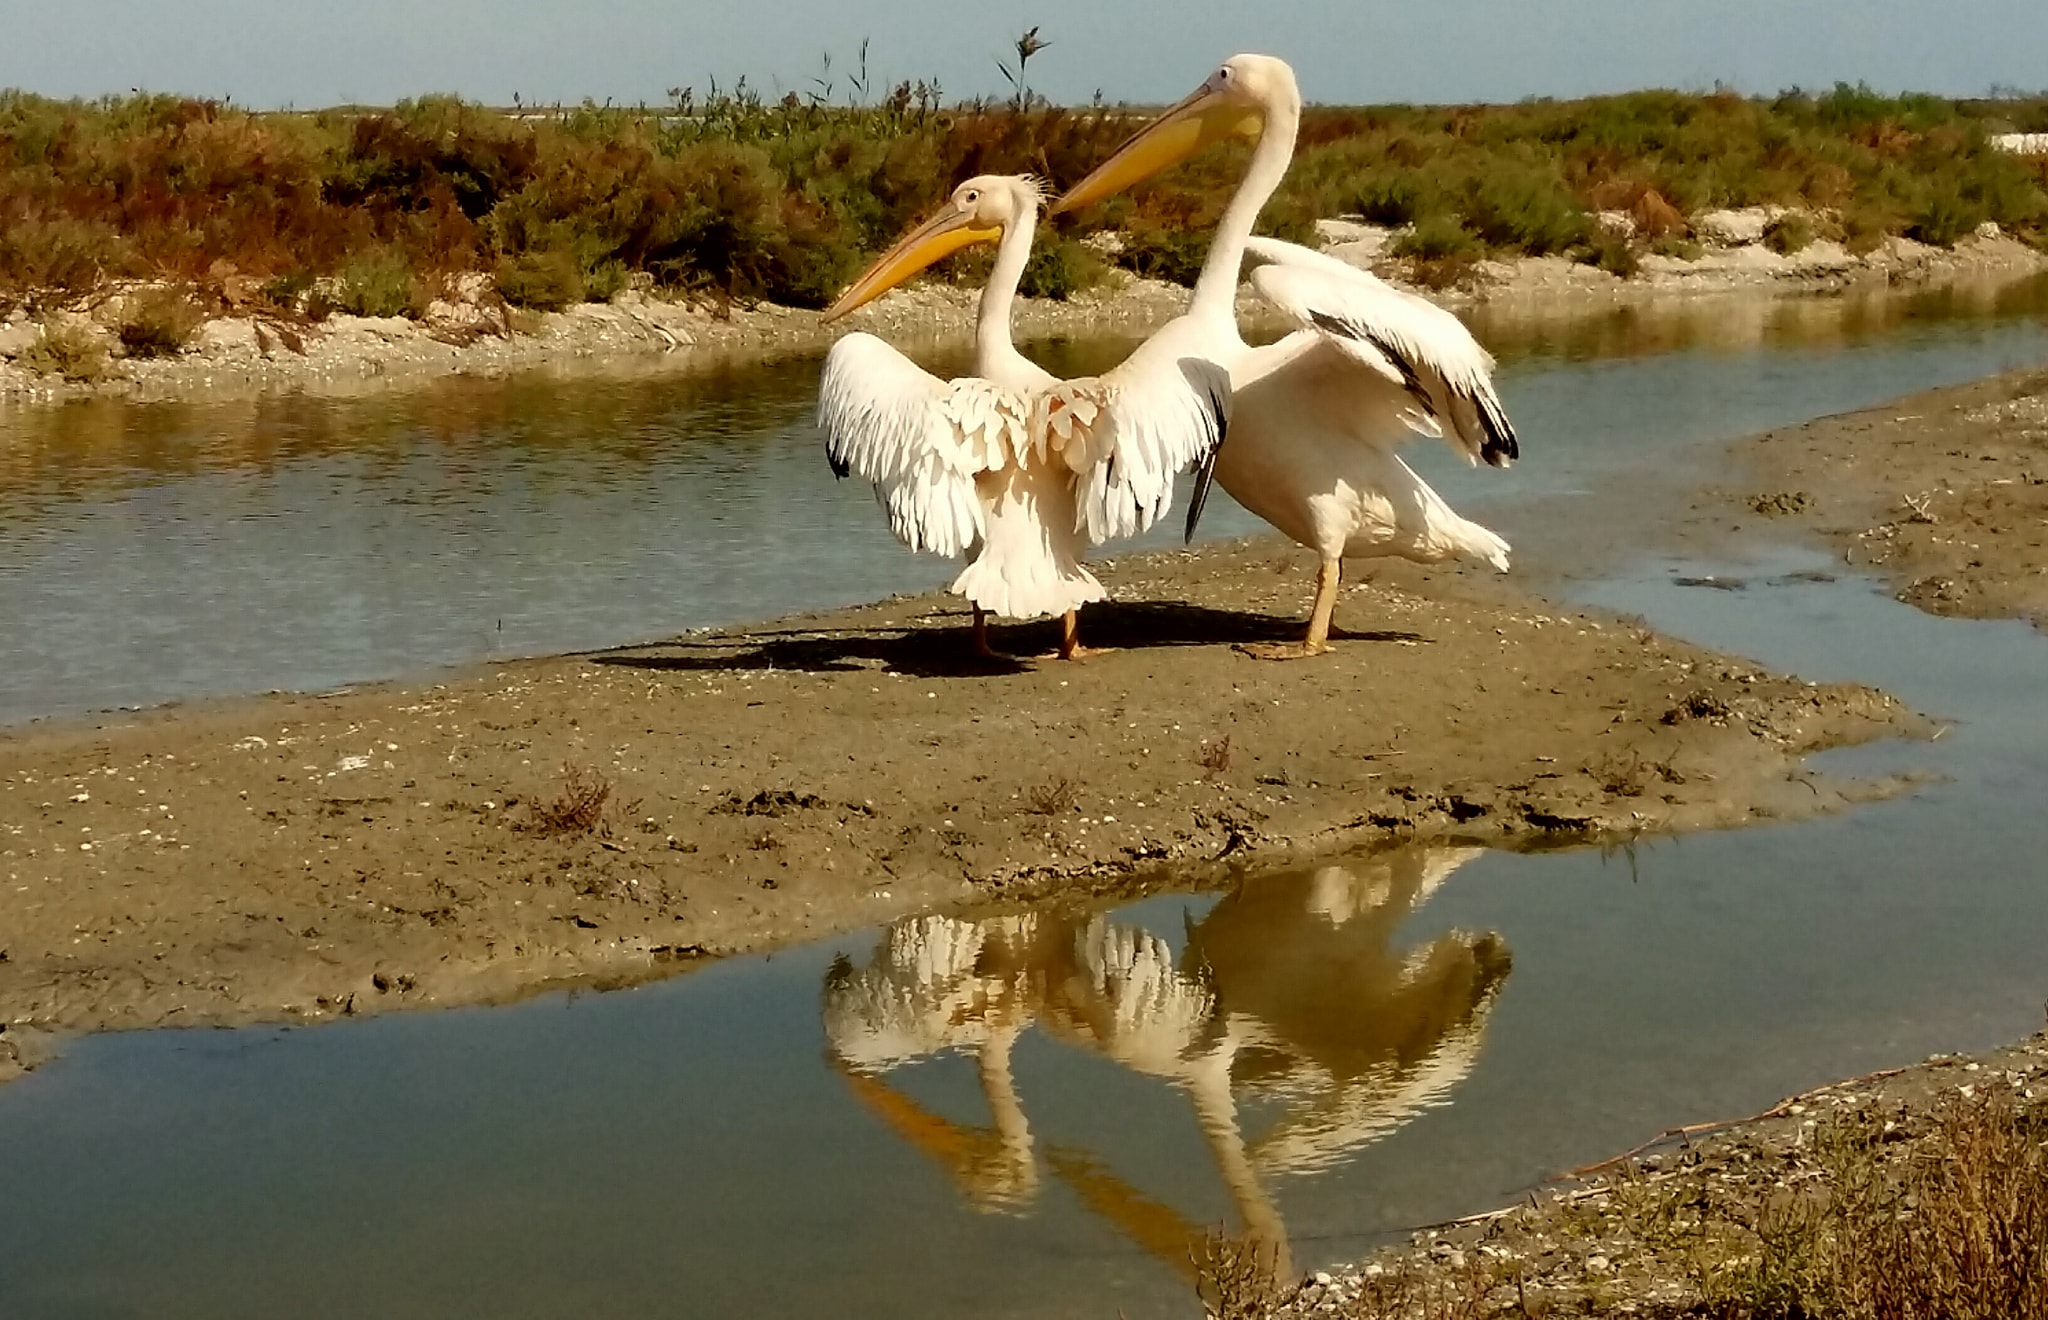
point(277, 52)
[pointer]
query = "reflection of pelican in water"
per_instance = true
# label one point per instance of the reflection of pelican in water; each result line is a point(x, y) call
point(938, 984)
point(1290, 1000)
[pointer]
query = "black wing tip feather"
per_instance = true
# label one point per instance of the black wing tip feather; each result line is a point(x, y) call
point(1501, 446)
point(1199, 497)
point(842, 466)
point(1218, 414)
point(1345, 328)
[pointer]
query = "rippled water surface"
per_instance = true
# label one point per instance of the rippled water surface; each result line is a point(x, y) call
point(153, 552)
point(1031, 1115)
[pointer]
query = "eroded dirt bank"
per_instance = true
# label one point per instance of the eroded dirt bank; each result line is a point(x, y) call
point(312, 856)
point(1944, 493)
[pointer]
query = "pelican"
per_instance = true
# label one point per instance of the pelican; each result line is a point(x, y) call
point(1317, 416)
point(1013, 468)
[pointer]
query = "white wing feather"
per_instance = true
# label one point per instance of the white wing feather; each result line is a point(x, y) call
point(1396, 334)
point(1127, 433)
point(919, 439)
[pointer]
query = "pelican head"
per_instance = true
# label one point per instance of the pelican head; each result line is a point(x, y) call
point(979, 211)
point(1234, 101)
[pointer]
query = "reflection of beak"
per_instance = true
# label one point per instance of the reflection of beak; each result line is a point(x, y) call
point(1202, 120)
point(940, 236)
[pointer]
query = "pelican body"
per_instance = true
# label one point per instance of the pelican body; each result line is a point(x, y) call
point(1317, 417)
point(1012, 467)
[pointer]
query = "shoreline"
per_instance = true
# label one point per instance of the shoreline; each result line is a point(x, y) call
point(1692, 1219)
point(234, 356)
point(612, 816)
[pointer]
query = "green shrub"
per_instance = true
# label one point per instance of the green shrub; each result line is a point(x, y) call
point(1164, 251)
point(1673, 245)
point(1789, 233)
point(606, 281)
point(1527, 210)
point(1061, 267)
point(1438, 237)
point(68, 350)
point(1611, 253)
point(1392, 197)
point(1945, 219)
point(379, 285)
point(287, 293)
point(543, 281)
point(159, 322)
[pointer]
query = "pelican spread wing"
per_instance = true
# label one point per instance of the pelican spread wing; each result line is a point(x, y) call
point(1126, 433)
point(1408, 339)
point(920, 440)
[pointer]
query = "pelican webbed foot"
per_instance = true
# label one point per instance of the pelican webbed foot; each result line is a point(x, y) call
point(1301, 650)
point(1070, 641)
point(982, 648)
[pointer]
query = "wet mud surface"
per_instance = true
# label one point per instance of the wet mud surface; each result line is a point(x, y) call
point(1944, 494)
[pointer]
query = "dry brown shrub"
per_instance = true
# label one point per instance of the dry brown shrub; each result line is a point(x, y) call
point(1655, 217)
point(1054, 797)
point(577, 807)
point(159, 322)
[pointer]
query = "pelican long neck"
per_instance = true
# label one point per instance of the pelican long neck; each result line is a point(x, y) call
point(992, 327)
point(1216, 289)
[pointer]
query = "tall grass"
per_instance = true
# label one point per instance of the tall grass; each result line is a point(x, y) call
point(740, 196)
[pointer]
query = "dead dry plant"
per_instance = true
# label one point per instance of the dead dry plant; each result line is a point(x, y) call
point(577, 807)
point(1054, 797)
point(1962, 1232)
point(1237, 1278)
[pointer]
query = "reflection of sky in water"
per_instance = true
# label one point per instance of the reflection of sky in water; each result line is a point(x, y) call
point(153, 552)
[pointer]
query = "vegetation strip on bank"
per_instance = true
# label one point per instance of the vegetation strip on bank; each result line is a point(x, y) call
point(1913, 1192)
point(293, 216)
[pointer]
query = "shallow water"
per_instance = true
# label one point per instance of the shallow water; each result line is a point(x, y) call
point(156, 552)
point(1032, 1116)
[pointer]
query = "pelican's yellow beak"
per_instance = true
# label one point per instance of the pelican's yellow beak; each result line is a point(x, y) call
point(940, 236)
point(1202, 120)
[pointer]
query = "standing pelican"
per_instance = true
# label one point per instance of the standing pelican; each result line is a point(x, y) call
point(1013, 468)
point(1316, 417)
